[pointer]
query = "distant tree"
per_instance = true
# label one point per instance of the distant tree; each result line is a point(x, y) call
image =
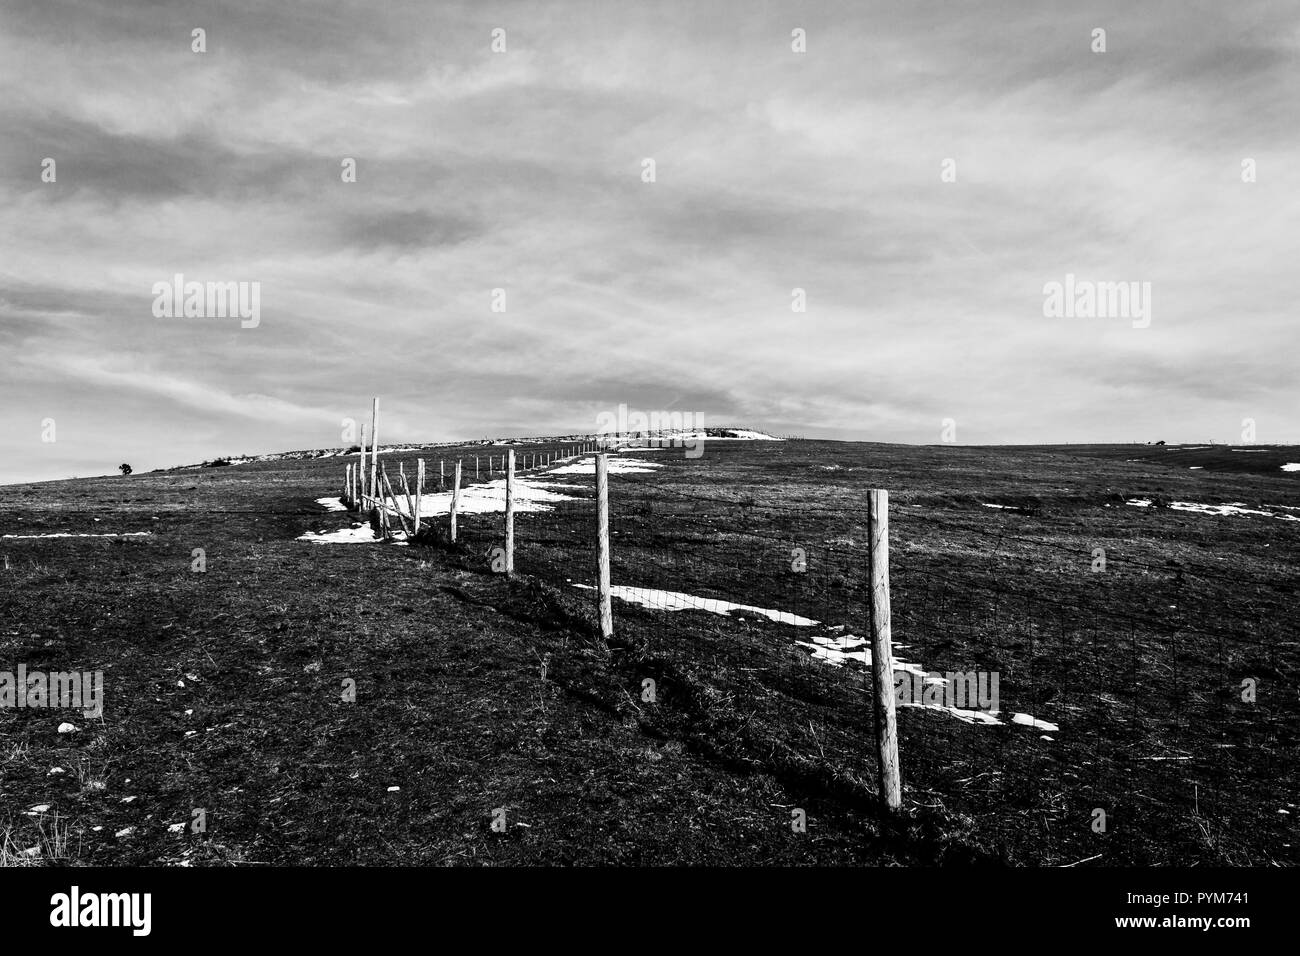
point(1160, 442)
point(124, 468)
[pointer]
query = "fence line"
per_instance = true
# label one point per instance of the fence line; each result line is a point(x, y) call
point(1097, 696)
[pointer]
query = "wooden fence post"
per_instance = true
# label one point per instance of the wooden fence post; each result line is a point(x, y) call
point(419, 491)
point(510, 513)
point(361, 465)
point(455, 501)
point(410, 506)
point(374, 448)
point(442, 476)
point(602, 547)
point(388, 489)
point(882, 653)
point(476, 467)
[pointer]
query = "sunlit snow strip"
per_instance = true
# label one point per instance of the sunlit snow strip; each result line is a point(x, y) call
point(745, 433)
point(617, 466)
point(331, 504)
point(1228, 509)
point(357, 534)
point(63, 534)
point(657, 600)
point(1027, 721)
point(1291, 466)
point(988, 718)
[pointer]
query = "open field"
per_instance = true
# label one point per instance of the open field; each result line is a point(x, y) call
point(473, 693)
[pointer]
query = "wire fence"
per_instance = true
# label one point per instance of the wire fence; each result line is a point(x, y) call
point(1074, 716)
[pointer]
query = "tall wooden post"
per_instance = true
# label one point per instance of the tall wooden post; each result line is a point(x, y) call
point(455, 500)
point(374, 447)
point(602, 547)
point(882, 653)
point(419, 491)
point(442, 475)
point(361, 465)
point(510, 513)
point(476, 467)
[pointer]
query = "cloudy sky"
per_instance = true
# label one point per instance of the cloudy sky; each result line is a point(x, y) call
point(523, 170)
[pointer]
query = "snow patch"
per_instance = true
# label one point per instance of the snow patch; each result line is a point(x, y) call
point(122, 534)
point(1227, 509)
point(616, 466)
point(657, 600)
point(357, 534)
point(834, 650)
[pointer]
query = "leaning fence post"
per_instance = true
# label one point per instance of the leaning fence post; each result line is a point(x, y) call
point(455, 500)
point(882, 653)
point(411, 508)
point(510, 513)
point(388, 490)
point(602, 548)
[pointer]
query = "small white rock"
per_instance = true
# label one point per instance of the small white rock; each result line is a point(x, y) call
point(124, 833)
point(393, 789)
point(67, 728)
point(44, 808)
point(55, 771)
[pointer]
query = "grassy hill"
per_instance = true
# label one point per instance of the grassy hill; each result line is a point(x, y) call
point(475, 693)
